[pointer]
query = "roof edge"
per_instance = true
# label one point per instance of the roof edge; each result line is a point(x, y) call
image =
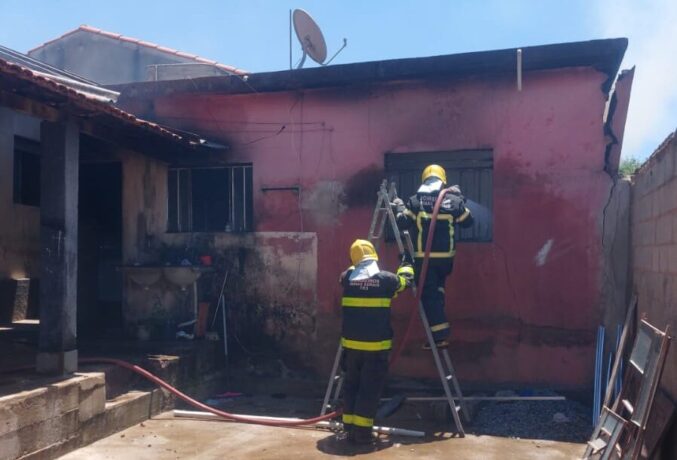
point(604, 55)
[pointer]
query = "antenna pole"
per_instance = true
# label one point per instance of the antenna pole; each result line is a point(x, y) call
point(290, 66)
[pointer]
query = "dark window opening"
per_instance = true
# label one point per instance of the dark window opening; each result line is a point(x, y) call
point(210, 199)
point(26, 171)
point(471, 169)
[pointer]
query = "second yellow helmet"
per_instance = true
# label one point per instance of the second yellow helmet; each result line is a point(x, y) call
point(434, 171)
point(362, 250)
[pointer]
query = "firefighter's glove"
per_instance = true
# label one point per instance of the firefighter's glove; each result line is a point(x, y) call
point(455, 189)
point(397, 206)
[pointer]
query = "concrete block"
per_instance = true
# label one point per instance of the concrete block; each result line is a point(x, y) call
point(664, 259)
point(67, 396)
point(11, 406)
point(655, 260)
point(644, 208)
point(92, 397)
point(39, 435)
point(62, 362)
point(664, 229)
point(670, 294)
point(55, 450)
point(649, 232)
point(90, 380)
point(674, 227)
point(30, 407)
point(672, 259)
point(642, 257)
point(127, 410)
point(121, 413)
point(668, 166)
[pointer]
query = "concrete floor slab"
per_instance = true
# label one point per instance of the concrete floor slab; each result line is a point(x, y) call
point(168, 438)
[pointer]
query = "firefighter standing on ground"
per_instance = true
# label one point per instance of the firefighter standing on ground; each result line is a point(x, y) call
point(367, 335)
point(416, 216)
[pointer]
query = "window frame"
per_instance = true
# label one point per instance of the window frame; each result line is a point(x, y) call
point(174, 225)
point(455, 163)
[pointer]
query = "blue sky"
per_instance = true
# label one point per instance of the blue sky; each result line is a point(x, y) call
point(253, 35)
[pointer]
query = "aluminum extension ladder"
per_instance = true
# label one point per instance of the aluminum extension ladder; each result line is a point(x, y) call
point(383, 212)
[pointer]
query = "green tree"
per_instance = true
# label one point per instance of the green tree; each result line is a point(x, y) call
point(628, 166)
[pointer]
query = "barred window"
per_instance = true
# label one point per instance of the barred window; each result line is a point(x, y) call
point(215, 199)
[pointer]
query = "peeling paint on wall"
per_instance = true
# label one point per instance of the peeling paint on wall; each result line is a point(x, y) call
point(325, 202)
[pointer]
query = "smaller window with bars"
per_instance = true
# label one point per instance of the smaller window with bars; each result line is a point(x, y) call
point(210, 199)
point(472, 170)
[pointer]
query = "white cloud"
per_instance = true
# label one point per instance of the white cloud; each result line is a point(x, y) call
point(651, 27)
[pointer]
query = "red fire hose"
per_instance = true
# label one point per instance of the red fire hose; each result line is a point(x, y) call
point(421, 276)
point(238, 418)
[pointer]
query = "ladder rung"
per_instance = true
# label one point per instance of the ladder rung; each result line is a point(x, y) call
point(449, 377)
point(597, 445)
point(628, 406)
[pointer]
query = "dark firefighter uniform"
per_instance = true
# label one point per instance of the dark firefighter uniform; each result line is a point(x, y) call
point(416, 216)
point(366, 335)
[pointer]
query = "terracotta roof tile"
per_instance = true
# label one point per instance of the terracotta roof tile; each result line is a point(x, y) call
point(82, 101)
point(145, 44)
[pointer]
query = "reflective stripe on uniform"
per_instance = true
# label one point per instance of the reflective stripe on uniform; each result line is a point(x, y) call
point(402, 286)
point(365, 302)
point(405, 269)
point(419, 224)
point(439, 327)
point(403, 281)
point(366, 346)
point(464, 216)
point(362, 421)
point(435, 255)
point(441, 289)
point(348, 418)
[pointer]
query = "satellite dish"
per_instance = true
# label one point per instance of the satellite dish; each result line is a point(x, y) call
point(310, 36)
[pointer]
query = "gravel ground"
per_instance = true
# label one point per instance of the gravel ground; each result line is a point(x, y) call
point(567, 420)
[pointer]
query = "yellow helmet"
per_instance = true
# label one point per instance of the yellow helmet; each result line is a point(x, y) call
point(362, 250)
point(434, 171)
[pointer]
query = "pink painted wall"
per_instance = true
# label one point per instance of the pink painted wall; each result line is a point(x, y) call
point(514, 320)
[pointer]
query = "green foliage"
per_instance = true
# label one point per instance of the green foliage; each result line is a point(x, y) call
point(628, 166)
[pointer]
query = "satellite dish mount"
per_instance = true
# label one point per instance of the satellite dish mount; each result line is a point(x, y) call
point(311, 39)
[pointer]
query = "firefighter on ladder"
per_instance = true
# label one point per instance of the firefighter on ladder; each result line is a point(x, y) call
point(416, 216)
point(367, 335)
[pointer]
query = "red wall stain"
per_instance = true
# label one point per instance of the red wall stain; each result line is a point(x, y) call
point(513, 321)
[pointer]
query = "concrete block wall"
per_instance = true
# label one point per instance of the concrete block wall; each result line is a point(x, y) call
point(36, 419)
point(654, 246)
point(58, 416)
